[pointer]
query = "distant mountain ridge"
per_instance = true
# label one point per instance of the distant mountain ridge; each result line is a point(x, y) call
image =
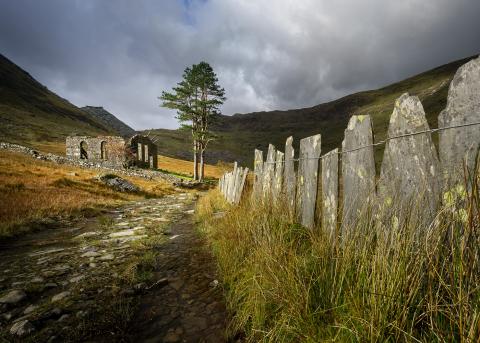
point(31, 114)
point(109, 120)
point(240, 134)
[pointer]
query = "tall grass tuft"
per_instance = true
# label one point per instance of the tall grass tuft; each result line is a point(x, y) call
point(379, 282)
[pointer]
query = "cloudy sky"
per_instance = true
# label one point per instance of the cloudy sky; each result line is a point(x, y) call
point(280, 54)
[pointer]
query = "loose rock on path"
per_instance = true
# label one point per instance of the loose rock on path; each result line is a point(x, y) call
point(137, 273)
point(189, 307)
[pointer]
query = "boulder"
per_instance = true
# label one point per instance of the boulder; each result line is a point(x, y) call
point(187, 184)
point(118, 183)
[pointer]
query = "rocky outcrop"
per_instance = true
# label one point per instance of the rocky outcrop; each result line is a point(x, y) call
point(118, 183)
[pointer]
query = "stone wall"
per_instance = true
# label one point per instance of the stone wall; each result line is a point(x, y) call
point(138, 151)
point(90, 164)
point(142, 152)
point(103, 148)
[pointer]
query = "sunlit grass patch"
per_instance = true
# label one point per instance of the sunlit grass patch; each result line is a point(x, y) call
point(184, 168)
point(381, 283)
point(31, 189)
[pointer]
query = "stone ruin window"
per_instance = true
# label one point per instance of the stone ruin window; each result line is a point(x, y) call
point(83, 150)
point(145, 148)
point(139, 152)
point(103, 150)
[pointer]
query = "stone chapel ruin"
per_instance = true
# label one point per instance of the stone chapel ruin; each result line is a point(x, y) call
point(114, 151)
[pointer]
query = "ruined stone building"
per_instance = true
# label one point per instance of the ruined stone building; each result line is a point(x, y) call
point(137, 151)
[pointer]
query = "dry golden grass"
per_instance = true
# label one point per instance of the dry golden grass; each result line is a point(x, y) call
point(31, 189)
point(169, 164)
point(177, 166)
point(382, 283)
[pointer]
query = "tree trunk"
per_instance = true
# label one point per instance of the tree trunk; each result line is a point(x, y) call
point(202, 164)
point(195, 160)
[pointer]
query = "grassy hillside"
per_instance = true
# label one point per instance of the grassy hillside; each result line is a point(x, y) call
point(240, 134)
point(58, 190)
point(31, 114)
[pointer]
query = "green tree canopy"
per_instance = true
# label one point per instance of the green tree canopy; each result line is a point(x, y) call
point(197, 99)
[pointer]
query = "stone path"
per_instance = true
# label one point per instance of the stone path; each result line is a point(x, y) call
point(135, 273)
point(190, 307)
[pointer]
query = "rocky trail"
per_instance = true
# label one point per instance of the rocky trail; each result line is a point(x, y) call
point(136, 273)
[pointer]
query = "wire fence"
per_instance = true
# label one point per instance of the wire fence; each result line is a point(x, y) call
point(341, 152)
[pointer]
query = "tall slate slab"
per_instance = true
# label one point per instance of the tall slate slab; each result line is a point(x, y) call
point(409, 178)
point(220, 183)
point(231, 181)
point(237, 182)
point(278, 178)
point(241, 184)
point(290, 182)
point(463, 107)
point(310, 149)
point(330, 192)
point(231, 190)
point(358, 168)
point(258, 174)
point(227, 185)
point(269, 172)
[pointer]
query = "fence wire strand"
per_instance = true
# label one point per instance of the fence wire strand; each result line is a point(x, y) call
point(377, 143)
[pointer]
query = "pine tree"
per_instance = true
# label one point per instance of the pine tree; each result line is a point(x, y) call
point(197, 99)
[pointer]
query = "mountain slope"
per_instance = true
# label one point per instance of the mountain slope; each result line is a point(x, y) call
point(109, 120)
point(31, 114)
point(240, 134)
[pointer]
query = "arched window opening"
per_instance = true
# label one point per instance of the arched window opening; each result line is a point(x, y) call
point(83, 150)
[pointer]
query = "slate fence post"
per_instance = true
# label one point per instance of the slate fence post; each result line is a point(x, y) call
point(409, 178)
point(330, 192)
point(269, 172)
point(278, 178)
point(232, 184)
point(310, 149)
point(258, 175)
point(289, 175)
point(412, 174)
point(358, 168)
point(463, 107)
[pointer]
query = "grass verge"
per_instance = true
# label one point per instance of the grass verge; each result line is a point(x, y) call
point(382, 283)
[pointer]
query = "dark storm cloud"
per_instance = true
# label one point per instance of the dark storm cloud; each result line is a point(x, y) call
point(282, 54)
